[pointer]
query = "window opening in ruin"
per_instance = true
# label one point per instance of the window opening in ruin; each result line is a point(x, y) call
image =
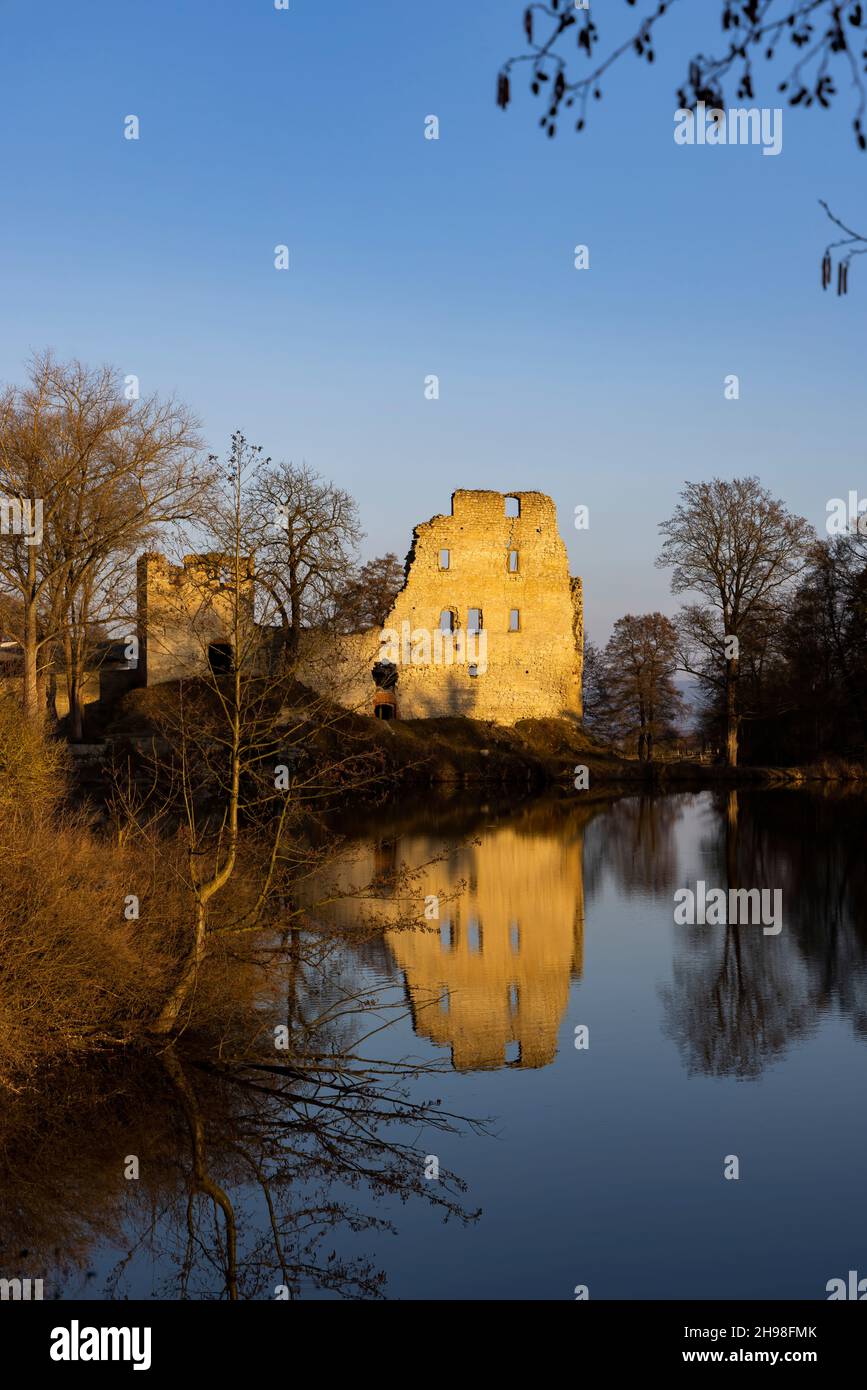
point(513, 506)
point(445, 556)
point(220, 658)
point(513, 1054)
point(474, 620)
point(447, 620)
point(472, 670)
point(384, 675)
point(514, 620)
point(384, 712)
point(514, 998)
point(513, 562)
point(475, 936)
point(515, 937)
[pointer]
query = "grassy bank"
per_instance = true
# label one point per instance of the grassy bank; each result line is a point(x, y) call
point(456, 751)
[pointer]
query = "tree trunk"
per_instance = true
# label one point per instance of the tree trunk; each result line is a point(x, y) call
point(48, 692)
point(295, 611)
point(76, 707)
point(172, 1007)
point(30, 696)
point(731, 740)
point(201, 1180)
point(731, 834)
point(73, 685)
point(170, 1012)
point(76, 713)
point(32, 703)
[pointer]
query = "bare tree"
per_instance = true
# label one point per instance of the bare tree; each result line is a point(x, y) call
point(823, 642)
point(369, 596)
point(100, 473)
point(248, 745)
point(739, 547)
point(596, 699)
point(104, 595)
point(308, 533)
point(639, 662)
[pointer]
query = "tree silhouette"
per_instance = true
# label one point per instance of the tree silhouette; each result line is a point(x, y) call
point(822, 38)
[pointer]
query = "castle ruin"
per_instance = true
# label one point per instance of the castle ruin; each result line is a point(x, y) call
point(488, 624)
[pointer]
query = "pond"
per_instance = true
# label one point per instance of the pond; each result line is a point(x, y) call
point(664, 1110)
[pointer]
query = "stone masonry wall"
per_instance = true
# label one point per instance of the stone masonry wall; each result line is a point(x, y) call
point(534, 672)
point(181, 610)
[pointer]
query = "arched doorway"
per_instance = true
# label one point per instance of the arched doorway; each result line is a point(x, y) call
point(384, 705)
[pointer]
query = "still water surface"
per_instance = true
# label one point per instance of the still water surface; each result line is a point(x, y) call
point(604, 1166)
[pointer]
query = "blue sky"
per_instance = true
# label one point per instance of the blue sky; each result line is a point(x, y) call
point(410, 257)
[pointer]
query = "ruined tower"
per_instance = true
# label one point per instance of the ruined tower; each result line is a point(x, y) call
point(490, 584)
point(185, 615)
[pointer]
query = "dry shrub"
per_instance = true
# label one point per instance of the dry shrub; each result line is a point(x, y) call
point(78, 970)
point(33, 771)
point(74, 973)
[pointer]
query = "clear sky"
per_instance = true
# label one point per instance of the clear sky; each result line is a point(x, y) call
point(410, 257)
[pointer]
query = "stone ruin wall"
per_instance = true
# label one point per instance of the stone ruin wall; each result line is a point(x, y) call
point(181, 610)
point(533, 673)
point(339, 666)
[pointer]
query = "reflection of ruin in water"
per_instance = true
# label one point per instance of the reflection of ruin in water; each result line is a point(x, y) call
point(492, 981)
point(489, 978)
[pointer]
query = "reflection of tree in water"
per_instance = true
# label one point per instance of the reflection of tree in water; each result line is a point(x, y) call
point(738, 997)
point(821, 841)
point(635, 842)
point(252, 1169)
